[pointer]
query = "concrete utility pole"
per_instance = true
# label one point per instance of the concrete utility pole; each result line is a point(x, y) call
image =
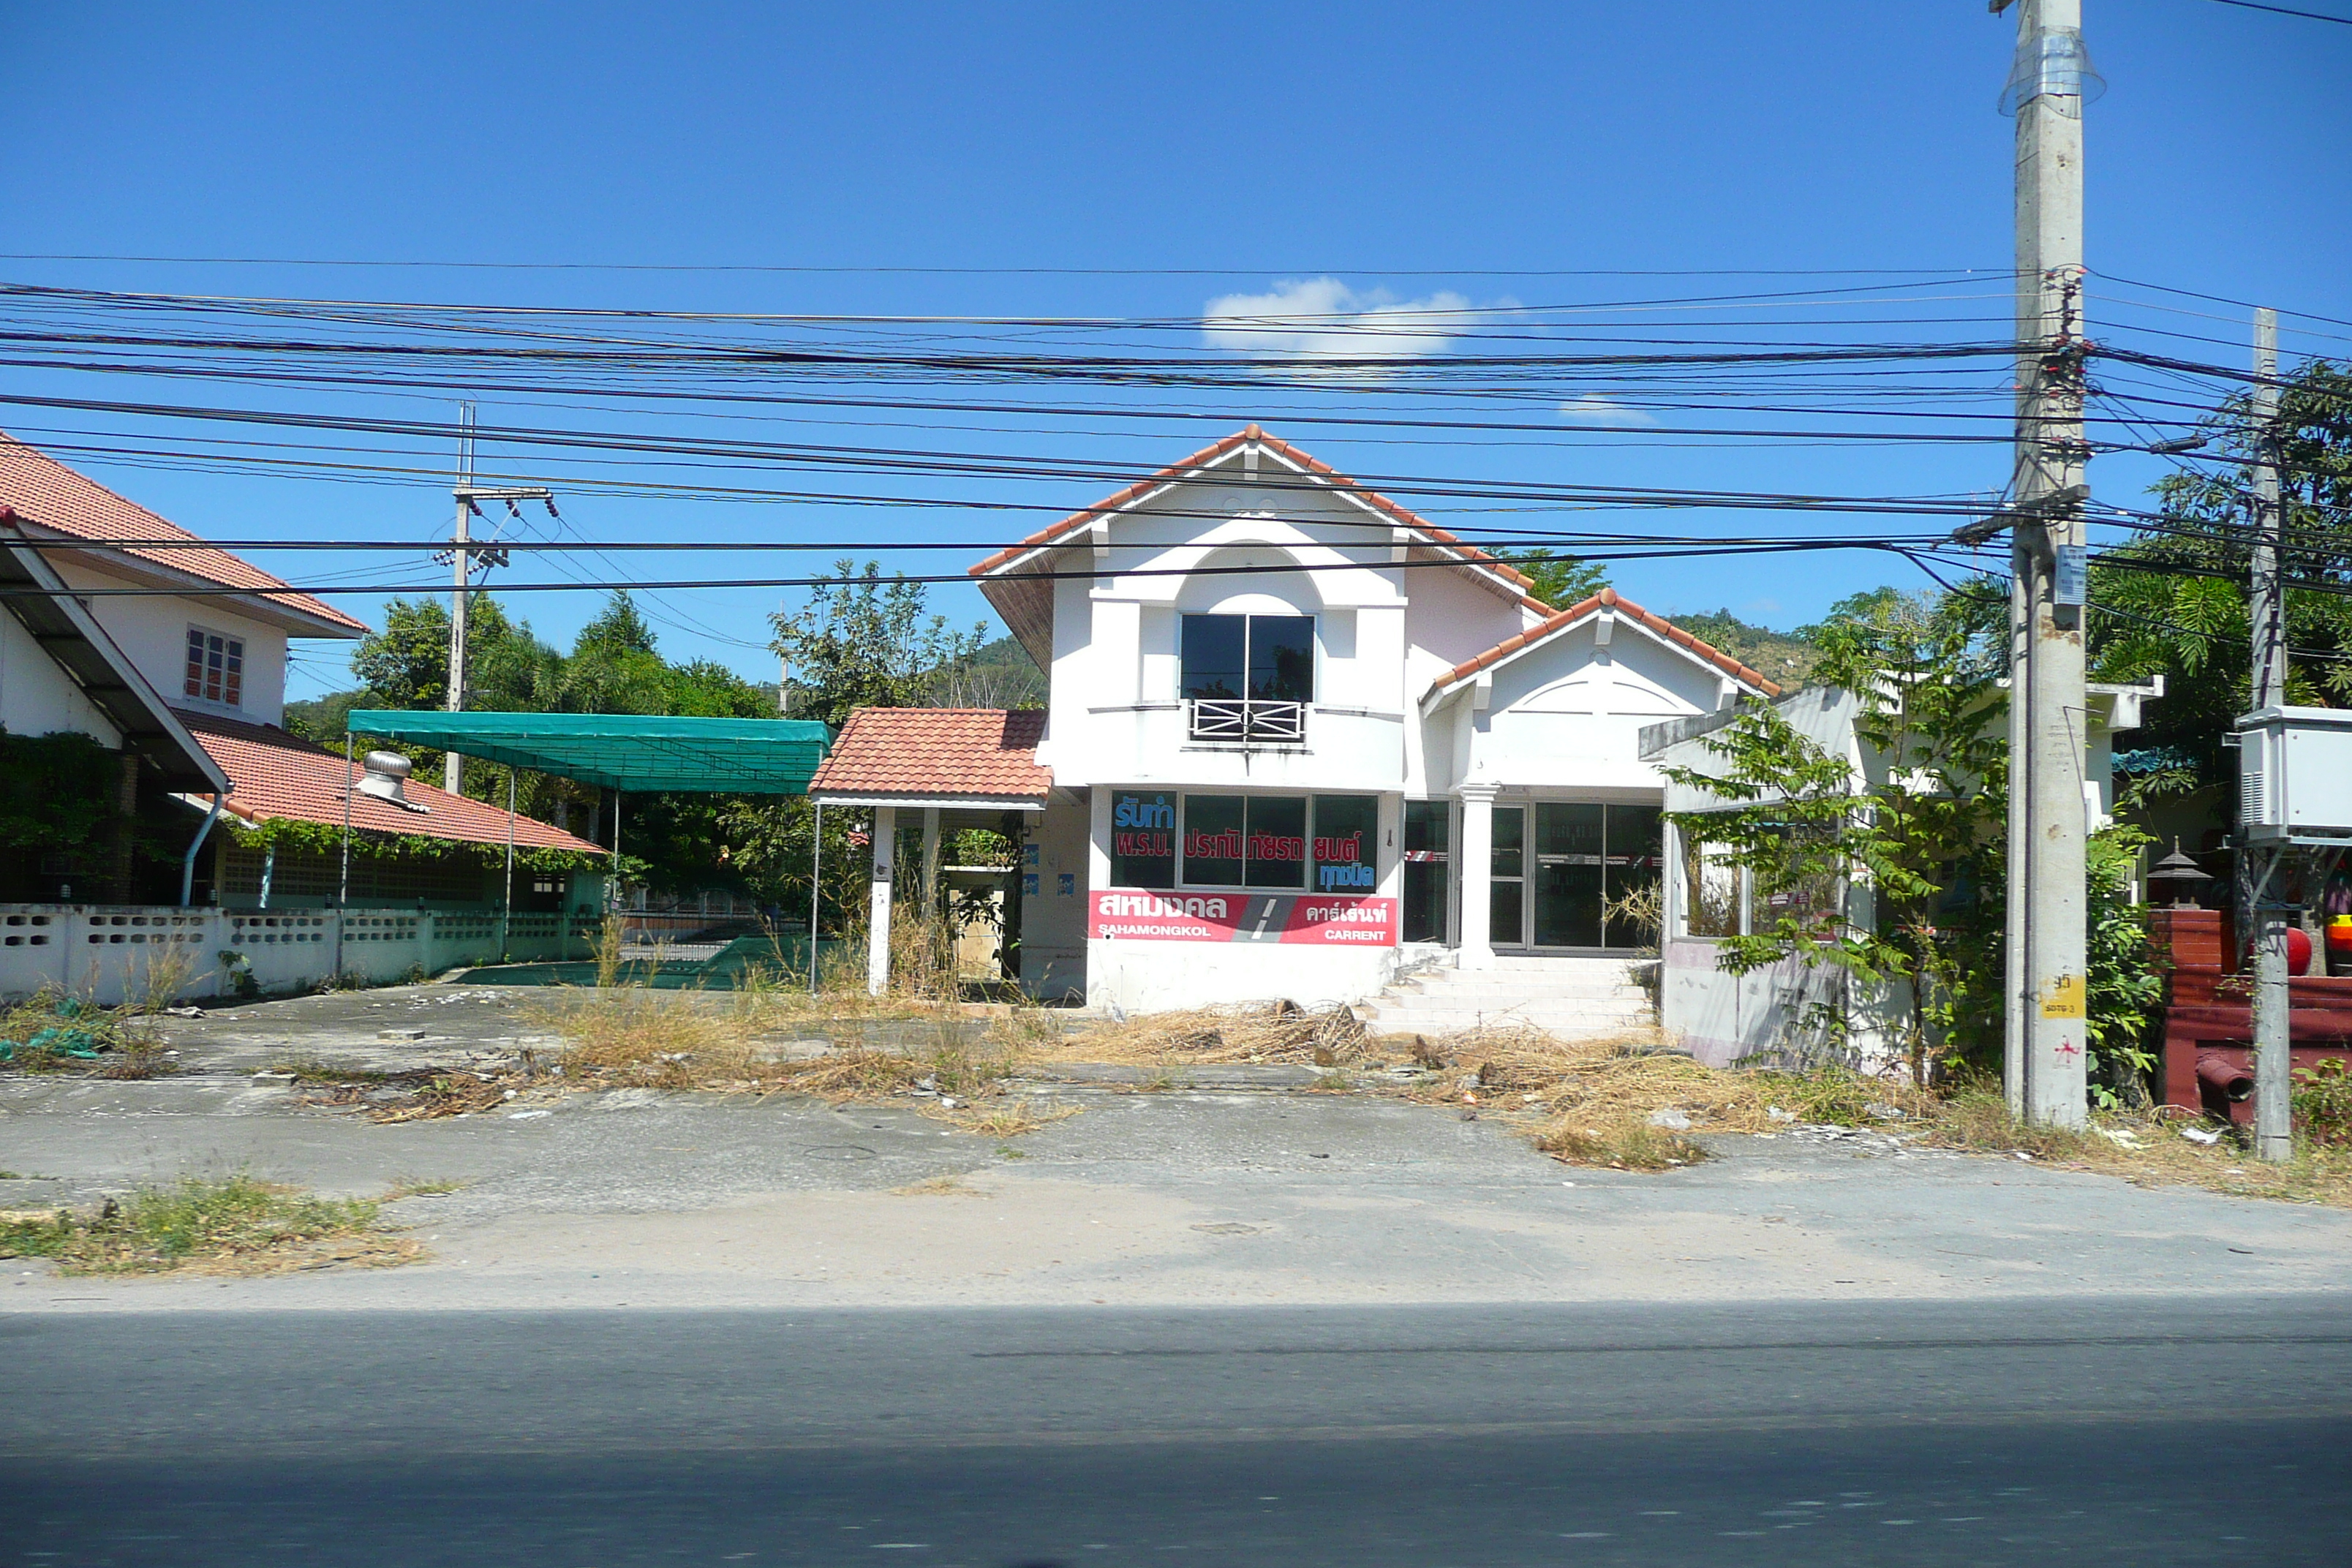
point(2274, 1109)
point(2047, 1014)
point(464, 555)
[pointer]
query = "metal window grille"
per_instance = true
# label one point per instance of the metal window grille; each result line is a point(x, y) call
point(1249, 719)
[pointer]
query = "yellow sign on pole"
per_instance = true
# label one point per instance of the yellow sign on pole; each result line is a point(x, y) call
point(2068, 997)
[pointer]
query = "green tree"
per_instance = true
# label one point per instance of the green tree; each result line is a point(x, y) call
point(1561, 581)
point(2173, 601)
point(406, 665)
point(1921, 827)
point(863, 641)
point(1916, 821)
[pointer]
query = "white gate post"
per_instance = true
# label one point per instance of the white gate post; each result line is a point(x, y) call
point(877, 934)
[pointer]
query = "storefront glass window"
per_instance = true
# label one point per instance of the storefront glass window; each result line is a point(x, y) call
point(1143, 839)
point(1347, 835)
point(1277, 842)
point(1214, 828)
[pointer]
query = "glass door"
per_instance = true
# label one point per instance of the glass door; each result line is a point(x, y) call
point(1636, 852)
point(1583, 855)
point(1568, 876)
point(1427, 825)
point(1507, 906)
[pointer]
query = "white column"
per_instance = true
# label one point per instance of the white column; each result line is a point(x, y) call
point(1477, 855)
point(878, 932)
point(1387, 849)
point(931, 860)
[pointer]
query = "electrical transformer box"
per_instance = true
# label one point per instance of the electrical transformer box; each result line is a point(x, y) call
point(2295, 776)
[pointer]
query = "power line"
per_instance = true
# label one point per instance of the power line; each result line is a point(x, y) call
point(2287, 11)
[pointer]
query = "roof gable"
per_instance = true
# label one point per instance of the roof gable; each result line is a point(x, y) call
point(1019, 587)
point(44, 494)
point(1608, 599)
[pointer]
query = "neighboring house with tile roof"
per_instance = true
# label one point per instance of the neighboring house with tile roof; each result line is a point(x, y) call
point(186, 678)
point(1299, 739)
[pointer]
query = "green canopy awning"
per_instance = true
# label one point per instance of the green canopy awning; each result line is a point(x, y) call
point(624, 750)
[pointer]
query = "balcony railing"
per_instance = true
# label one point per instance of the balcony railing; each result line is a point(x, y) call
point(1249, 720)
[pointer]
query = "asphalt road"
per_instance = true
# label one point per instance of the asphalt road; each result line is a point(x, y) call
point(2144, 1431)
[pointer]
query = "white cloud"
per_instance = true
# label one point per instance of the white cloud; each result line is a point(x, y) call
point(1321, 319)
point(1594, 409)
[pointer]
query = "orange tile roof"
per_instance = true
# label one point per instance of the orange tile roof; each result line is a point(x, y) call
point(987, 753)
point(44, 493)
point(1471, 554)
point(273, 773)
point(1608, 598)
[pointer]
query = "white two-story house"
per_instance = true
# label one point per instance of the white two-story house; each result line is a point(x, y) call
point(1300, 739)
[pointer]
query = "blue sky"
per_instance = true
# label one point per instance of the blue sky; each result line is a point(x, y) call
point(1170, 156)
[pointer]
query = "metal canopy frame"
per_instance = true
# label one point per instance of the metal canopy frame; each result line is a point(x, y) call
point(624, 752)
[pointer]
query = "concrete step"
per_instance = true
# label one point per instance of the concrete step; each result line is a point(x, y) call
point(1566, 1028)
point(1503, 996)
point(1477, 1001)
point(1518, 986)
point(1555, 964)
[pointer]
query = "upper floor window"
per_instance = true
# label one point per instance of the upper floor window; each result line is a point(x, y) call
point(1263, 658)
point(216, 667)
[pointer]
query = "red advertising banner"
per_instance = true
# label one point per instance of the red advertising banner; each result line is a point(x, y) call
point(1119, 914)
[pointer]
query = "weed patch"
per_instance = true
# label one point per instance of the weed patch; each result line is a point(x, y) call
point(234, 1224)
point(938, 1187)
point(1007, 1118)
point(1620, 1142)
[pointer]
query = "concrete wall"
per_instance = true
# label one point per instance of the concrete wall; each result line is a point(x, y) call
point(1169, 976)
point(1053, 923)
point(108, 952)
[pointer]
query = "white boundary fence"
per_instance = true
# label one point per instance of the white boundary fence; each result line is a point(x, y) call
point(106, 953)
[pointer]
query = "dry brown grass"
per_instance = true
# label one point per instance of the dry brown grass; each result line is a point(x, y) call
point(1591, 1102)
point(2144, 1148)
point(938, 1187)
point(896, 1048)
point(1003, 1118)
point(1281, 1032)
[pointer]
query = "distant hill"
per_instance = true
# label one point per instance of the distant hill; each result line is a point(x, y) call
point(1001, 675)
point(1783, 658)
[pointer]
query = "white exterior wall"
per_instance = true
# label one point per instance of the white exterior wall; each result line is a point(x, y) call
point(1053, 924)
point(154, 635)
point(35, 697)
